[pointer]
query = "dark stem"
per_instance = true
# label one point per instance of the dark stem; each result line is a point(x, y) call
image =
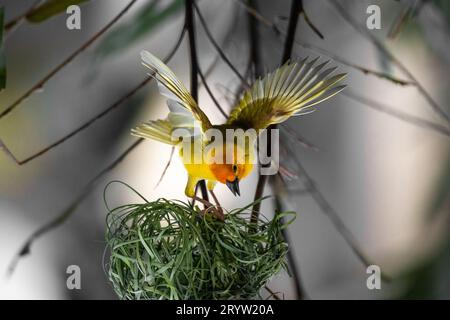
point(255, 52)
point(213, 98)
point(257, 63)
point(190, 26)
point(217, 47)
point(296, 9)
point(272, 293)
point(405, 117)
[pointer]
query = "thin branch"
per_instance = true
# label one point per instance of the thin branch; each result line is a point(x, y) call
point(255, 52)
point(67, 213)
point(172, 151)
point(100, 115)
point(296, 9)
point(399, 23)
point(225, 43)
point(211, 94)
point(216, 46)
point(272, 293)
point(298, 138)
point(419, 122)
point(255, 48)
point(40, 84)
point(382, 48)
point(365, 70)
point(190, 26)
point(311, 25)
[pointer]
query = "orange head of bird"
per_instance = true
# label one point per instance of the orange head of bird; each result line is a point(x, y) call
point(230, 170)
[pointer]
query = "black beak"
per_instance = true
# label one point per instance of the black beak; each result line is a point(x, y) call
point(234, 186)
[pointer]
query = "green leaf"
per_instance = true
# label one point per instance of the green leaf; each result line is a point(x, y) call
point(2, 51)
point(145, 21)
point(49, 9)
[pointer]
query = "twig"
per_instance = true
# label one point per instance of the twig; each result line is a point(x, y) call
point(298, 138)
point(172, 151)
point(216, 46)
point(59, 67)
point(402, 20)
point(296, 9)
point(211, 94)
point(272, 293)
point(381, 47)
point(365, 70)
point(90, 122)
point(67, 213)
point(419, 122)
point(255, 52)
point(262, 179)
point(311, 25)
point(190, 26)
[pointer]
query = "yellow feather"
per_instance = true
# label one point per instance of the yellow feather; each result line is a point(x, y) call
point(291, 89)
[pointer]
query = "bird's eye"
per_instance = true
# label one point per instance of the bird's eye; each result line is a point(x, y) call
point(235, 168)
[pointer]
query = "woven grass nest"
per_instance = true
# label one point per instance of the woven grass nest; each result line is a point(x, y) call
point(169, 250)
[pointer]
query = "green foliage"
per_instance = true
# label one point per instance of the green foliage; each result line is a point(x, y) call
point(168, 250)
point(49, 9)
point(145, 21)
point(2, 51)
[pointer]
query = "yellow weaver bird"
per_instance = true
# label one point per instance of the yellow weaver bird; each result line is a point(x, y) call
point(289, 90)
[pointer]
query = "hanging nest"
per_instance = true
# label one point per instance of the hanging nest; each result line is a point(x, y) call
point(170, 250)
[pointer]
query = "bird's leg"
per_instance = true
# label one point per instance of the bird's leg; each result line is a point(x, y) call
point(218, 206)
point(190, 186)
point(210, 208)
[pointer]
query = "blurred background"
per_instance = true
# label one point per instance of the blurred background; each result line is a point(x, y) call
point(386, 176)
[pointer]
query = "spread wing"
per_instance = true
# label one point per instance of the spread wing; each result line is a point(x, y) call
point(291, 90)
point(172, 88)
